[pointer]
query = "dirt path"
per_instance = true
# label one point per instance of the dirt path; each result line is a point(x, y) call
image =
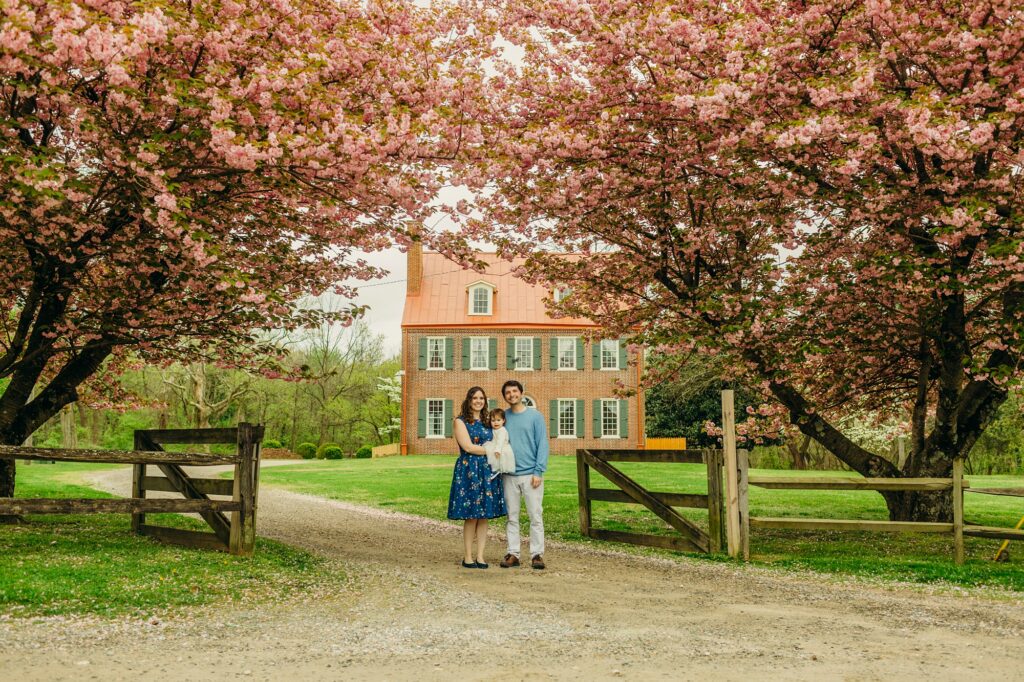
point(412, 612)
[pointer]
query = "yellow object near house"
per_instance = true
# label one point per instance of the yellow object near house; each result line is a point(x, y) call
point(666, 444)
point(386, 450)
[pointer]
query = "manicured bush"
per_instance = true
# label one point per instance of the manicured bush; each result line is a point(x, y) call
point(365, 452)
point(321, 452)
point(306, 450)
point(330, 452)
point(271, 443)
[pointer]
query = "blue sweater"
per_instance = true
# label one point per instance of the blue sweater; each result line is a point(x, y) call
point(528, 436)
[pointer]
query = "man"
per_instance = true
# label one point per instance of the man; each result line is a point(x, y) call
point(528, 435)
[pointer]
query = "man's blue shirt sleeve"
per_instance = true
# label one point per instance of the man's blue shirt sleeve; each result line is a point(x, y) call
point(540, 434)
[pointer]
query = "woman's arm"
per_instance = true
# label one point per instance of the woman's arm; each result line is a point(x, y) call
point(462, 438)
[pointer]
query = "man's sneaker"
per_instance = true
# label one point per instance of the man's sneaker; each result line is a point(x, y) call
point(537, 562)
point(510, 561)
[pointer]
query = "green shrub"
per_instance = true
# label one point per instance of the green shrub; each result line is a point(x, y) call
point(306, 450)
point(365, 452)
point(321, 452)
point(330, 452)
point(272, 443)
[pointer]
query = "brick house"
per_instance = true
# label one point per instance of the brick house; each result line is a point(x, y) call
point(461, 328)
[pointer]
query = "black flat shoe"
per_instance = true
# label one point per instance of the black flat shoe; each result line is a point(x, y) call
point(472, 565)
point(481, 564)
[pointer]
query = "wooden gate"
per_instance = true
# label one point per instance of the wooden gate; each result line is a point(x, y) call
point(236, 535)
point(690, 537)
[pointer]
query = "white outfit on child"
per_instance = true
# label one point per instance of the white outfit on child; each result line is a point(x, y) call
point(499, 453)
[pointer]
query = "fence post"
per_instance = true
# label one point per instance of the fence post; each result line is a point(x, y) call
point(583, 481)
point(713, 460)
point(243, 531)
point(138, 485)
point(732, 516)
point(958, 511)
point(743, 503)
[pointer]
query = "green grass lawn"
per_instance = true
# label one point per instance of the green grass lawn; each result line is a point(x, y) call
point(93, 564)
point(420, 484)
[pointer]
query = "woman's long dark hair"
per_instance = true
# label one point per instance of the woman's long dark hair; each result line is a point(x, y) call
point(466, 411)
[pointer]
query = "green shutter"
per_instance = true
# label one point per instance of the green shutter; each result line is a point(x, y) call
point(579, 353)
point(580, 433)
point(510, 353)
point(553, 419)
point(492, 350)
point(536, 352)
point(465, 353)
point(623, 419)
point(423, 353)
point(491, 403)
point(449, 353)
point(449, 409)
point(623, 355)
point(595, 355)
point(421, 421)
point(597, 419)
point(554, 352)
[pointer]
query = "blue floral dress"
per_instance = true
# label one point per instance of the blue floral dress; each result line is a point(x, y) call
point(473, 496)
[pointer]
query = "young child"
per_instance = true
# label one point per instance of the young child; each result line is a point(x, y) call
point(499, 450)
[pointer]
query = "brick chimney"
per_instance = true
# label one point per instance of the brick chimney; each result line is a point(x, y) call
point(415, 277)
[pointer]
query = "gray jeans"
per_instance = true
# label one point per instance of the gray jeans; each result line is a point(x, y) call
point(518, 488)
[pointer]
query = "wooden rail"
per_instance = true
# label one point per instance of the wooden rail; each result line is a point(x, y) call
point(235, 533)
point(690, 538)
point(956, 484)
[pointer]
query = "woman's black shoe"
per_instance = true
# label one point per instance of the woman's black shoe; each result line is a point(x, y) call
point(472, 565)
point(481, 564)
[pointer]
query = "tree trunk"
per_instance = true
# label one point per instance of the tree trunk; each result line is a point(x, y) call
point(7, 476)
point(927, 505)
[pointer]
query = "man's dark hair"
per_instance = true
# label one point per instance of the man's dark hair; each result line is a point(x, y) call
point(511, 382)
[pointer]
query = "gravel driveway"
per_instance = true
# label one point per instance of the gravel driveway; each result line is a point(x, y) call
point(410, 611)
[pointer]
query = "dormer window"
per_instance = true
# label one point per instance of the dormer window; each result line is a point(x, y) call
point(481, 298)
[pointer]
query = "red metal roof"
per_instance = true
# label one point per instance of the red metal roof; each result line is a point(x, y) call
point(444, 297)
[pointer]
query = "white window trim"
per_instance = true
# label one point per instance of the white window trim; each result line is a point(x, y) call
point(444, 351)
point(560, 293)
point(600, 355)
point(532, 406)
point(472, 289)
point(515, 355)
point(618, 420)
point(487, 353)
point(440, 436)
point(559, 418)
point(558, 355)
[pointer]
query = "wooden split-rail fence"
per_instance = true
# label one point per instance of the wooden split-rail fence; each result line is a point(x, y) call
point(232, 521)
point(956, 484)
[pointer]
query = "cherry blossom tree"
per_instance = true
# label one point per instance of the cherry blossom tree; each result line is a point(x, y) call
point(827, 193)
point(177, 175)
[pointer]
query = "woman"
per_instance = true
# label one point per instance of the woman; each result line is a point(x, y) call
point(474, 498)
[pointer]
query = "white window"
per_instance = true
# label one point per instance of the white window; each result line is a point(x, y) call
point(566, 352)
point(528, 401)
point(609, 418)
point(435, 352)
point(524, 353)
point(566, 418)
point(479, 349)
point(435, 418)
point(480, 297)
point(609, 354)
point(561, 292)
